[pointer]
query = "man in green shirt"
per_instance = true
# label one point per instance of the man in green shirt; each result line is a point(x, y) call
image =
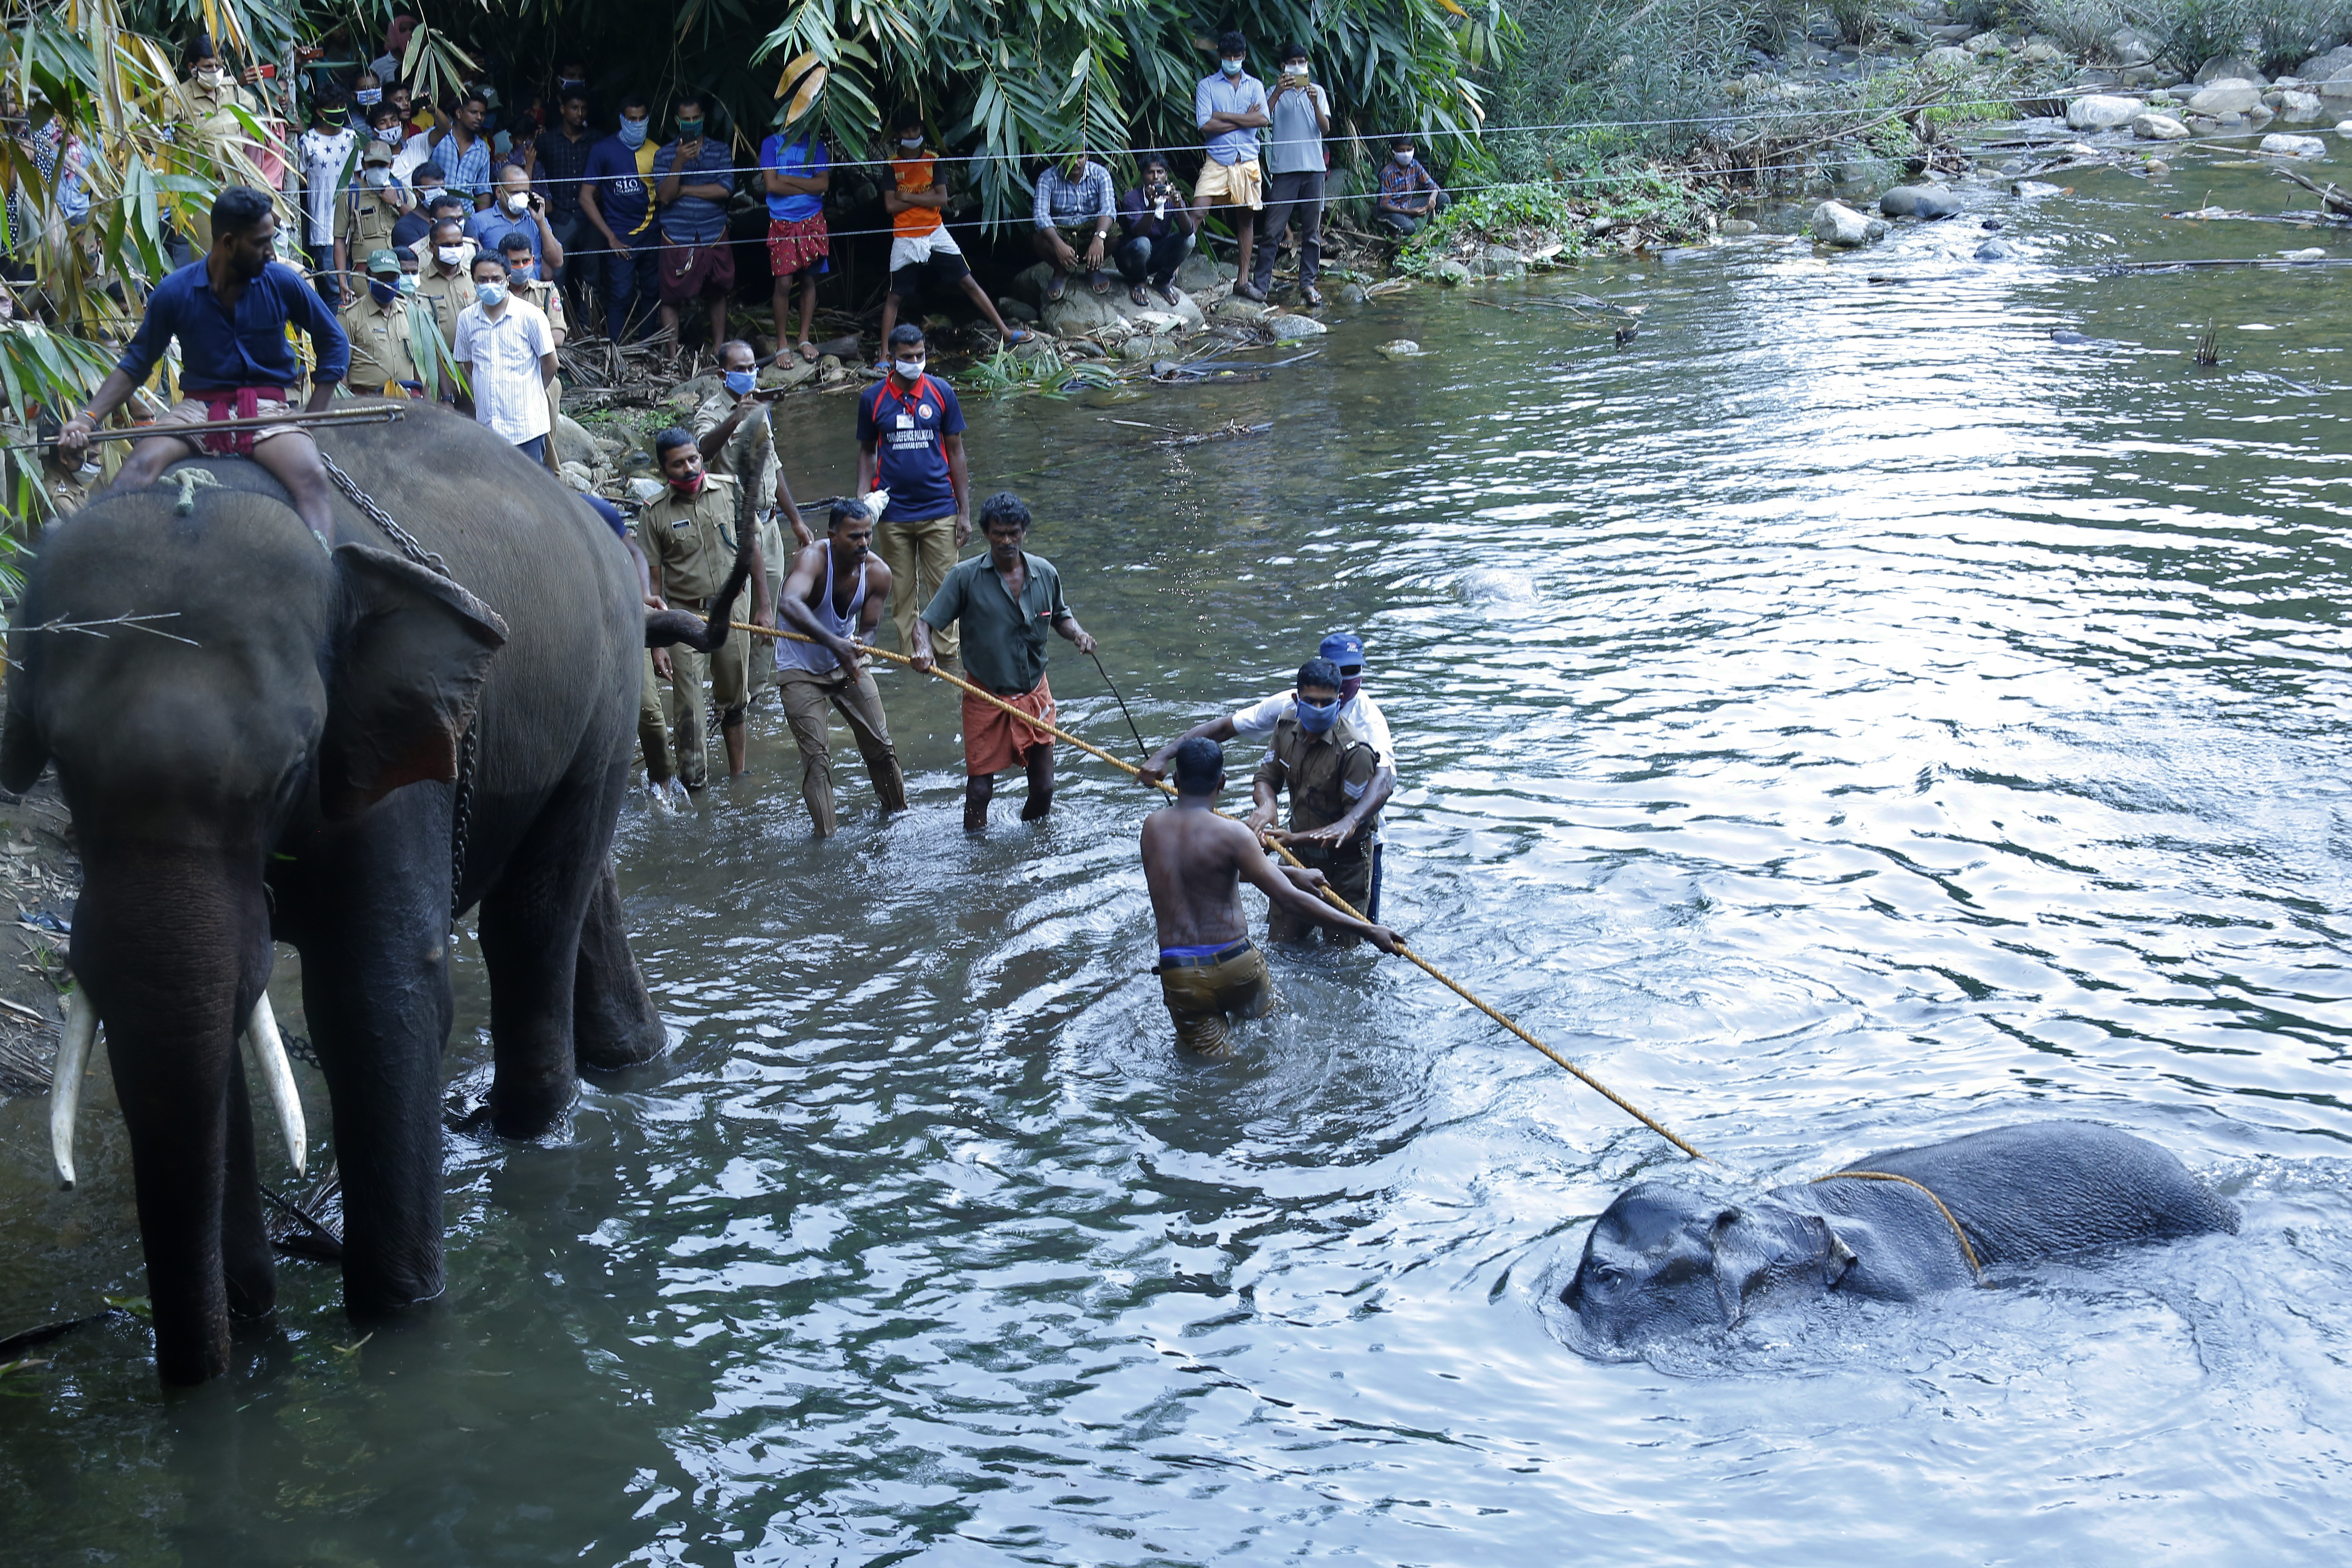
point(1002, 602)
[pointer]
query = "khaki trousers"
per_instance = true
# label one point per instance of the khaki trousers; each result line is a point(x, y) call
point(1201, 996)
point(806, 694)
point(1350, 871)
point(920, 555)
point(689, 701)
point(653, 728)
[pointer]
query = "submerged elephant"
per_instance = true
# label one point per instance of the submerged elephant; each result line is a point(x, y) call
point(336, 751)
point(1665, 1260)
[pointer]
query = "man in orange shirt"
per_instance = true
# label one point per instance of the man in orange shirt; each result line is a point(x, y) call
point(920, 245)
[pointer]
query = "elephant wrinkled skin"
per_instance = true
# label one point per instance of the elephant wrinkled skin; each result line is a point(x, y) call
point(1665, 1260)
point(291, 775)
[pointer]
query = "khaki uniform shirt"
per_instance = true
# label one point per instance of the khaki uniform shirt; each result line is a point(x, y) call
point(691, 543)
point(209, 111)
point(367, 228)
point(549, 301)
point(447, 298)
point(380, 343)
point(749, 454)
point(1327, 775)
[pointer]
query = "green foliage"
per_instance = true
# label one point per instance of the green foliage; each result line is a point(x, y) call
point(1043, 372)
point(1579, 220)
point(2081, 28)
point(2187, 33)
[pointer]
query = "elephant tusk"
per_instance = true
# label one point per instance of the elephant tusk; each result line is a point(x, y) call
point(65, 1081)
point(261, 1034)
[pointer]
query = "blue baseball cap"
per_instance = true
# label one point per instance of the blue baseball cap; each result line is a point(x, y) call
point(1342, 648)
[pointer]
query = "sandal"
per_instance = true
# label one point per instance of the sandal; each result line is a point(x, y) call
point(1057, 287)
point(1135, 292)
point(1311, 294)
point(1017, 335)
point(1167, 292)
point(807, 350)
point(1098, 282)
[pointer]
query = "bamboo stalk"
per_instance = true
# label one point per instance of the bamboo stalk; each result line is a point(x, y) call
point(220, 426)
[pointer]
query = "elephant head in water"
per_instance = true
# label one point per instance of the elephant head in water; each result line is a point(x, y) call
point(1665, 1261)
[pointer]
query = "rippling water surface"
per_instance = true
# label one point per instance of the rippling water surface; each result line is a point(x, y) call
point(1845, 718)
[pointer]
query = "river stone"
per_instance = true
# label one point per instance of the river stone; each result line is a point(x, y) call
point(2158, 128)
point(2128, 47)
point(1240, 311)
point(574, 444)
point(645, 492)
point(1352, 294)
point(1200, 272)
point(579, 478)
point(1923, 202)
point(2280, 146)
point(1080, 312)
point(1450, 273)
point(1834, 223)
point(1947, 55)
point(2101, 111)
point(1013, 309)
point(2229, 67)
point(2232, 96)
point(1737, 227)
point(1992, 250)
point(2335, 62)
point(1986, 44)
point(2336, 91)
point(1290, 328)
point(2344, 128)
point(2299, 108)
point(2040, 52)
point(1399, 347)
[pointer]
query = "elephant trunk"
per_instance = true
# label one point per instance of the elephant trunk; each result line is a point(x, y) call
point(171, 949)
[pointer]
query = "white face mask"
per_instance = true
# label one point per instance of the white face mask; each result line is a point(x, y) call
point(907, 369)
point(212, 79)
point(1404, 158)
point(911, 142)
point(516, 202)
point(450, 254)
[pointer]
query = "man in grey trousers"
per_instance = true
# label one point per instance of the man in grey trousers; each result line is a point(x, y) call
point(1301, 114)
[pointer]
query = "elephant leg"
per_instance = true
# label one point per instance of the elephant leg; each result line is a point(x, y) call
point(247, 1270)
point(530, 926)
point(613, 1021)
point(371, 907)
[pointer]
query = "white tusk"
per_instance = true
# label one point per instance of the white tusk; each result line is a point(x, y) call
point(65, 1080)
point(261, 1034)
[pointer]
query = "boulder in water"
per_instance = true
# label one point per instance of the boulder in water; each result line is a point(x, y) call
point(2280, 146)
point(1399, 347)
point(2335, 62)
point(1491, 585)
point(2158, 128)
point(1288, 329)
point(1736, 228)
point(2232, 96)
point(2101, 111)
point(1923, 202)
point(1992, 250)
point(2229, 67)
point(2300, 107)
point(1450, 273)
point(1834, 223)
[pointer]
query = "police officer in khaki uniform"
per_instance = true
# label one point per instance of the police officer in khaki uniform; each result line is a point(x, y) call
point(372, 208)
point(444, 287)
point(382, 324)
point(1337, 789)
point(737, 434)
point(688, 536)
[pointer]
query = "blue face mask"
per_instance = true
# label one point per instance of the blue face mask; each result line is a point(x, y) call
point(1232, 68)
point(739, 381)
point(1315, 718)
point(408, 282)
point(632, 133)
point(386, 294)
point(489, 294)
point(369, 97)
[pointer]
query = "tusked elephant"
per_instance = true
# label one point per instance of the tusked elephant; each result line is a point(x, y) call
point(1663, 1260)
point(275, 750)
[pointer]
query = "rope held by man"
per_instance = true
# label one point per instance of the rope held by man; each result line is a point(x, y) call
point(1619, 1101)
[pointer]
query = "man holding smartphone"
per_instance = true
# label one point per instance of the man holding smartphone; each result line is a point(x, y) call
point(1301, 113)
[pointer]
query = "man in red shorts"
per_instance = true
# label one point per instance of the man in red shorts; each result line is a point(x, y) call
point(691, 184)
point(797, 174)
point(1002, 601)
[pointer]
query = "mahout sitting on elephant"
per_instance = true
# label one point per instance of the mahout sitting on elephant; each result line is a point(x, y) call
point(336, 750)
point(1662, 1261)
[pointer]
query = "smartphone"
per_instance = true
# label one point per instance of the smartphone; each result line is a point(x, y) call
point(269, 72)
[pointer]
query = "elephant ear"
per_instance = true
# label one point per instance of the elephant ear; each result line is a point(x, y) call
point(408, 671)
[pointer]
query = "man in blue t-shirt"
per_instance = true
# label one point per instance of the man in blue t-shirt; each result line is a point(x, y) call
point(619, 205)
point(691, 184)
point(911, 442)
point(795, 175)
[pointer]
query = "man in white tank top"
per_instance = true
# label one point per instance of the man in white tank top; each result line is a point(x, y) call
point(836, 595)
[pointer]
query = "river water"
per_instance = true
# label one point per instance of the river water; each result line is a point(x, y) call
point(1843, 718)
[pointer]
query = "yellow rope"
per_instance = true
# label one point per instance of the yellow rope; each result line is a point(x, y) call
point(1967, 1251)
point(1620, 1101)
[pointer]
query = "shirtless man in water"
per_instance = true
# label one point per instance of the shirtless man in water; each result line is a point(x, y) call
point(1193, 861)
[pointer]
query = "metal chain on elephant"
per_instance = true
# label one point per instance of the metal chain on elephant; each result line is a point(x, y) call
point(461, 800)
point(383, 518)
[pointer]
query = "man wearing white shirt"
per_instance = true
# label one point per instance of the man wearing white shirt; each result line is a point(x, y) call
point(1356, 710)
point(327, 152)
point(505, 352)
